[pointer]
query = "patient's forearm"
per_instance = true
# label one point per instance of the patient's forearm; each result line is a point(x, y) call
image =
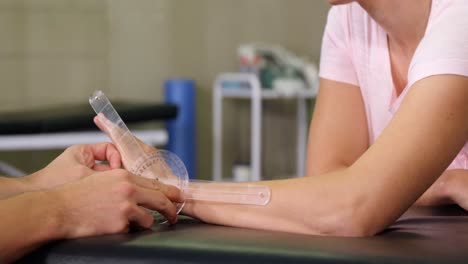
point(312, 205)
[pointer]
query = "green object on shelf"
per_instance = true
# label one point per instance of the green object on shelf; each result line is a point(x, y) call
point(268, 75)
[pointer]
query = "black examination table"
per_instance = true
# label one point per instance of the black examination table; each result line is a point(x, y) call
point(421, 235)
point(76, 117)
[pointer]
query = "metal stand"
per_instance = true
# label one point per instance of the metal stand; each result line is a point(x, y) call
point(256, 94)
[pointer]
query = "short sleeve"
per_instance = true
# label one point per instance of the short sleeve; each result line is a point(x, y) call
point(444, 48)
point(336, 61)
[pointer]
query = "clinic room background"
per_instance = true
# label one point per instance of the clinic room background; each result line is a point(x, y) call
point(57, 52)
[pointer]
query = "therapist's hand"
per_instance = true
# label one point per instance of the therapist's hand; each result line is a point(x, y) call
point(75, 163)
point(109, 202)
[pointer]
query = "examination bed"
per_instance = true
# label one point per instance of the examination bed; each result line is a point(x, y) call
point(58, 127)
point(421, 235)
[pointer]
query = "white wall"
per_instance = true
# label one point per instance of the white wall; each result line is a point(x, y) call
point(59, 51)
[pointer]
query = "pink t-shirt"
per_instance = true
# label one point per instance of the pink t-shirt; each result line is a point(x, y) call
point(354, 51)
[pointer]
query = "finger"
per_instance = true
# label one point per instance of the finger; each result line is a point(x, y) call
point(116, 134)
point(171, 192)
point(111, 129)
point(156, 200)
point(114, 131)
point(141, 217)
point(106, 151)
point(99, 120)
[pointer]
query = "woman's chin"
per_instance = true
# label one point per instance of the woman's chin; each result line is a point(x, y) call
point(339, 2)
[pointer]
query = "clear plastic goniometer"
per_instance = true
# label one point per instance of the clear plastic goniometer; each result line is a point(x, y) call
point(166, 167)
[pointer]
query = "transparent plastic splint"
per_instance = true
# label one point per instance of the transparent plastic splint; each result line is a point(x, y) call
point(167, 167)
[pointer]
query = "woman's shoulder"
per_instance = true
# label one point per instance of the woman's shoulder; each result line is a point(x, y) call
point(443, 49)
point(446, 10)
point(447, 25)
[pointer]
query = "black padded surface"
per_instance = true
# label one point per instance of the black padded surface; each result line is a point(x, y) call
point(78, 117)
point(422, 235)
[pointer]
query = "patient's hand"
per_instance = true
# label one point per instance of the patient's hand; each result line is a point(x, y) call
point(450, 188)
point(75, 163)
point(458, 187)
point(159, 170)
point(115, 133)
